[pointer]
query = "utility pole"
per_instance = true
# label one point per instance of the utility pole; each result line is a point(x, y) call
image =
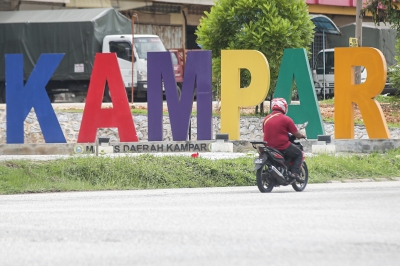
point(133, 57)
point(357, 70)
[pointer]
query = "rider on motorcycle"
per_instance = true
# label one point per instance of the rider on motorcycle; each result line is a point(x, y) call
point(276, 128)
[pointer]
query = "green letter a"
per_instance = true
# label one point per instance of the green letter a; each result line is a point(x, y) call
point(295, 68)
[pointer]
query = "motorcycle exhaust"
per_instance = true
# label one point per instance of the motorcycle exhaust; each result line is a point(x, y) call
point(276, 174)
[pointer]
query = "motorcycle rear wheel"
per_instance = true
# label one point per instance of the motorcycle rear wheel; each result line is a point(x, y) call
point(303, 175)
point(265, 182)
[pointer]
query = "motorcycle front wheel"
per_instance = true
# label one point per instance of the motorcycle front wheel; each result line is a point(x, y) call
point(265, 182)
point(304, 176)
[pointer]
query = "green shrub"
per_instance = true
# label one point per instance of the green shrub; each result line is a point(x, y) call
point(268, 26)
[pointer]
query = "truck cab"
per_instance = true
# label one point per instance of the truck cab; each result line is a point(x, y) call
point(122, 46)
point(178, 66)
point(326, 80)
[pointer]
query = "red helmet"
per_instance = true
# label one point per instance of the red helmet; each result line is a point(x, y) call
point(279, 104)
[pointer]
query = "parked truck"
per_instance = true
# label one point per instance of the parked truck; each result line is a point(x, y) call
point(326, 81)
point(382, 37)
point(323, 75)
point(79, 34)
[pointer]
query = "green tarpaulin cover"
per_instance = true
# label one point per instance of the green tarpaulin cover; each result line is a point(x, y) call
point(78, 33)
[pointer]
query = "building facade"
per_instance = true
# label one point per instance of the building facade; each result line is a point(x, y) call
point(175, 21)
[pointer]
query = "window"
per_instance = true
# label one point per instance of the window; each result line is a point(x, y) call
point(122, 49)
point(148, 44)
point(329, 63)
point(174, 59)
point(316, 46)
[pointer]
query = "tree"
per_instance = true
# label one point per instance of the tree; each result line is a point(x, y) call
point(394, 71)
point(388, 11)
point(268, 26)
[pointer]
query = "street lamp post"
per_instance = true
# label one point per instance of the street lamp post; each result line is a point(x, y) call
point(323, 61)
point(357, 70)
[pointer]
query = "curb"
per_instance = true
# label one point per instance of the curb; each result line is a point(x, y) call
point(239, 146)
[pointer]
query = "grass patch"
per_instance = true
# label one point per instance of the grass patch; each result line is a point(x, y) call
point(393, 100)
point(327, 167)
point(133, 111)
point(358, 122)
point(393, 125)
point(151, 172)
point(140, 111)
point(327, 101)
point(390, 106)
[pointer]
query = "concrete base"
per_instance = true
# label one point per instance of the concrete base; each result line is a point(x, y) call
point(243, 146)
point(221, 147)
point(358, 145)
point(106, 149)
point(317, 149)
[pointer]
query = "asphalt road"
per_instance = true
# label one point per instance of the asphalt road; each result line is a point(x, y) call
point(327, 224)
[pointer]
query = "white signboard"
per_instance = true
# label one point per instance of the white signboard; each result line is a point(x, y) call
point(79, 68)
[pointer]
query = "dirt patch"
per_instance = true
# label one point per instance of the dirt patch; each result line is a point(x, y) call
point(390, 111)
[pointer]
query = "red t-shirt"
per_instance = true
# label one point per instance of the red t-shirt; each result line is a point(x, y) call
point(276, 130)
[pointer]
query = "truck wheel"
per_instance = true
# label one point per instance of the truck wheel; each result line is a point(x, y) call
point(295, 96)
point(51, 98)
point(2, 92)
point(179, 90)
point(107, 95)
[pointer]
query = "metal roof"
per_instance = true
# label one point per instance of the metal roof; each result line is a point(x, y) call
point(324, 24)
point(60, 15)
point(372, 25)
point(191, 2)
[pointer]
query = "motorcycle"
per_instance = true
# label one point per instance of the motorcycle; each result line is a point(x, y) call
point(273, 170)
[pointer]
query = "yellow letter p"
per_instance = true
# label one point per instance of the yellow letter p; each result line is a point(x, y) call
point(232, 96)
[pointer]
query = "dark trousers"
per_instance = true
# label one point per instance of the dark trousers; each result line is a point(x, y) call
point(294, 154)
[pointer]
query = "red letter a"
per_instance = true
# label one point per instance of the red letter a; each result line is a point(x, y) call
point(94, 117)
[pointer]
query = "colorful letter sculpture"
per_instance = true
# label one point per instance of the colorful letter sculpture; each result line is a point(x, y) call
point(347, 93)
point(295, 67)
point(94, 117)
point(232, 95)
point(197, 76)
point(21, 99)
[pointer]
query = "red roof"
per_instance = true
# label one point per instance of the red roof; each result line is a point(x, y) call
point(351, 3)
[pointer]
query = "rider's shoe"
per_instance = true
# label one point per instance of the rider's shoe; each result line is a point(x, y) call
point(296, 177)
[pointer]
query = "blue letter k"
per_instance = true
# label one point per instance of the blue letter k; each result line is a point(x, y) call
point(21, 99)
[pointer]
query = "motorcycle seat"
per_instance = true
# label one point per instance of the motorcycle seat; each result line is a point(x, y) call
point(277, 151)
